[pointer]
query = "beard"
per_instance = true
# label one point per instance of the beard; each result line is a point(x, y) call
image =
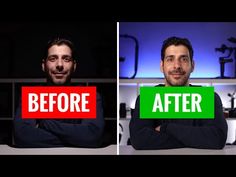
point(52, 80)
point(181, 81)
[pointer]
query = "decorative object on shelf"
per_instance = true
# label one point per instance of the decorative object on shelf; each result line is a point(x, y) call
point(122, 59)
point(232, 96)
point(121, 131)
point(122, 110)
point(232, 111)
point(227, 58)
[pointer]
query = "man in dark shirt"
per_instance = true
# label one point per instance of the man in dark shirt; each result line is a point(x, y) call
point(177, 64)
point(59, 63)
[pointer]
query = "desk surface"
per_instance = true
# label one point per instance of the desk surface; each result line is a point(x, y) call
point(7, 150)
point(129, 150)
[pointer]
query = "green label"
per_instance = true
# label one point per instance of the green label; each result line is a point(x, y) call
point(177, 102)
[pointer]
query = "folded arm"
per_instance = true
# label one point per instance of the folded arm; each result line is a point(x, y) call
point(28, 135)
point(210, 133)
point(144, 136)
point(86, 134)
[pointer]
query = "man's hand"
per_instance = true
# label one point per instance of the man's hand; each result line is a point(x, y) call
point(158, 129)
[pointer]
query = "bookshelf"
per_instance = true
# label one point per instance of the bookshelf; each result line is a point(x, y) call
point(129, 90)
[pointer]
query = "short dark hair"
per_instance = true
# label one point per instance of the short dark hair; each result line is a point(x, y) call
point(60, 41)
point(176, 41)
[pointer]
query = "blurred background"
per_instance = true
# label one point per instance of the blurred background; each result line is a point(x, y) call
point(214, 45)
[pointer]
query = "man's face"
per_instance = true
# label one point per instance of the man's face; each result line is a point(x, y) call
point(177, 65)
point(59, 64)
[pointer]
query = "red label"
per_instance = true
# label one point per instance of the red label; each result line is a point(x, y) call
point(58, 102)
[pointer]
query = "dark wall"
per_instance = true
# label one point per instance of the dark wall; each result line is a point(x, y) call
point(22, 45)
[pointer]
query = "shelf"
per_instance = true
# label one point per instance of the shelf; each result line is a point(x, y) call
point(210, 81)
point(12, 88)
point(43, 80)
point(129, 88)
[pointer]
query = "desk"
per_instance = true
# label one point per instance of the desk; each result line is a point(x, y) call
point(7, 150)
point(228, 150)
